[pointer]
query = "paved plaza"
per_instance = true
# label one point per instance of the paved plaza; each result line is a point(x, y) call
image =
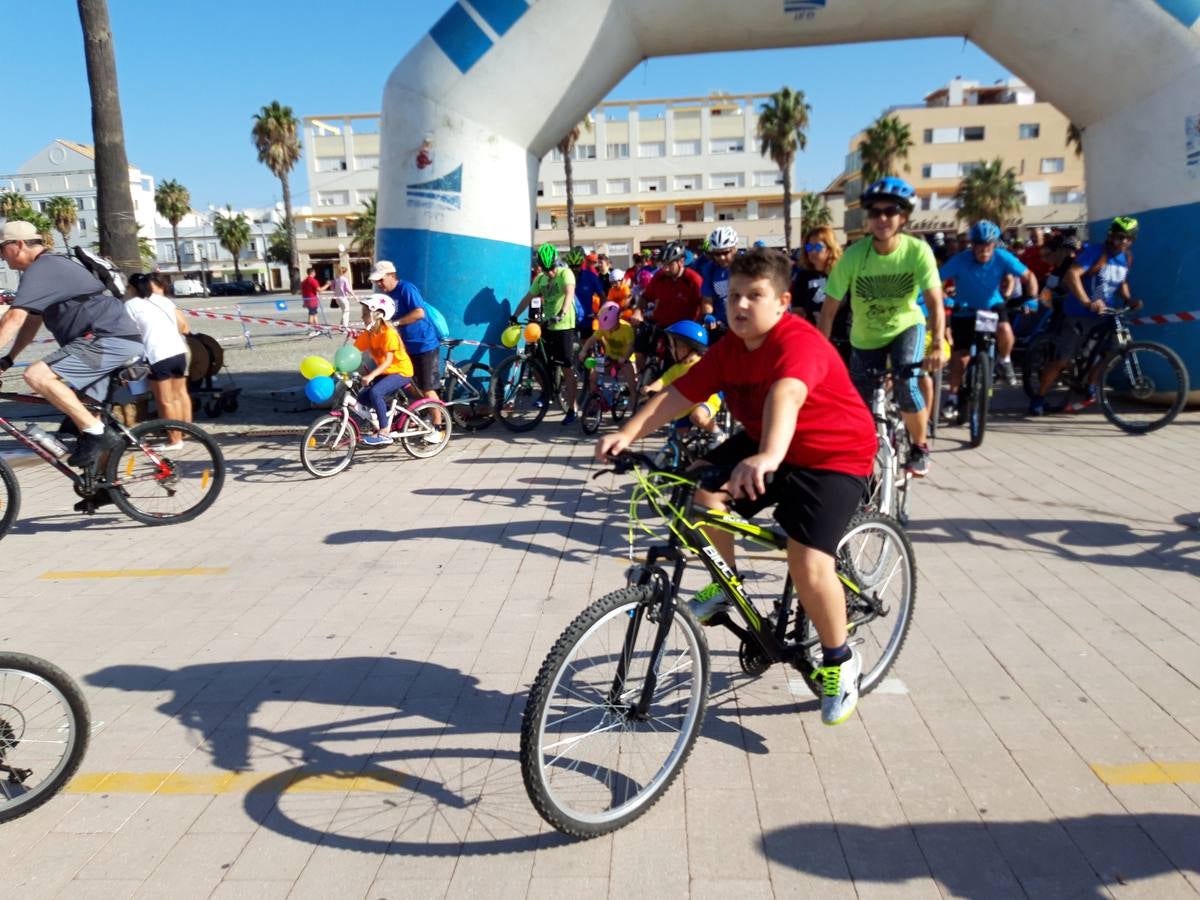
point(1040, 735)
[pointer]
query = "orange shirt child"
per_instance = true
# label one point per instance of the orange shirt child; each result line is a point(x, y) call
point(379, 343)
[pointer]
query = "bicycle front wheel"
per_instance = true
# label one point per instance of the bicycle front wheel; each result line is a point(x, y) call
point(426, 429)
point(44, 726)
point(520, 393)
point(10, 497)
point(591, 762)
point(470, 404)
point(1143, 386)
point(981, 397)
point(172, 474)
point(1040, 354)
point(328, 446)
point(591, 414)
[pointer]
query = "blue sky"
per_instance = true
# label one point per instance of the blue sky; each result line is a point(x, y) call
point(192, 76)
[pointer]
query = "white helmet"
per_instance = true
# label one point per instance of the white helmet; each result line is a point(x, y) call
point(617, 274)
point(723, 238)
point(381, 306)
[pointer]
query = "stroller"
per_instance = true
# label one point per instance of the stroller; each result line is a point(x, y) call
point(206, 359)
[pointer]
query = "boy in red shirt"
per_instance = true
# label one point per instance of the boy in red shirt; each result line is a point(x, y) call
point(804, 423)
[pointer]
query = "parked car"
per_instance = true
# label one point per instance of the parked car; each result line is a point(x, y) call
point(7, 296)
point(233, 288)
point(189, 287)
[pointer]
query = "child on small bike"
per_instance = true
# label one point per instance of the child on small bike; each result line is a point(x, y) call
point(615, 336)
point(688, 341)
point(393, 368)
point(805, 425)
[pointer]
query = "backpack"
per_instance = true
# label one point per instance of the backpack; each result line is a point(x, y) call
point(438, 321)
point(105, 270)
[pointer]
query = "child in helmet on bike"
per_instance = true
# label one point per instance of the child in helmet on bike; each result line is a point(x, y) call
point(688, 342)
point(615, 336)
point(392, 369)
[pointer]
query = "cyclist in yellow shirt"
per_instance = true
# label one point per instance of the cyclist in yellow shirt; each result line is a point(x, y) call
point(688, 341)
point(616, 337)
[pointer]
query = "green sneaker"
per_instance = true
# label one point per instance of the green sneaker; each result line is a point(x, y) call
point(839, 696)
point(709, 601)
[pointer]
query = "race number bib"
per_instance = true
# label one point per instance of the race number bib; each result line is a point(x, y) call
point(986, 322)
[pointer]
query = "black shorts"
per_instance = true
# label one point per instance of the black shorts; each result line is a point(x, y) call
point(171, 367)
point(645, 339)
point(560, 346)
point(425, 370)
point(962, 328)
point(813, 506)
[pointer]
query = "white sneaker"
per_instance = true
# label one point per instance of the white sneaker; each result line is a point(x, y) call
point(839, 696)
point(708, 602)
point(434, 438)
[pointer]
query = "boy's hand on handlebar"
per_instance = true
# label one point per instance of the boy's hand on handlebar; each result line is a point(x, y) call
point(749, 477)
point(610, 445)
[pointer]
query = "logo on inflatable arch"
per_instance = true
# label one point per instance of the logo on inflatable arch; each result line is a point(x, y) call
point(439, 193)
point(802, 9)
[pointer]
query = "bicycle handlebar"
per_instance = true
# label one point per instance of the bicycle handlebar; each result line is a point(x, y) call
point(906, 370)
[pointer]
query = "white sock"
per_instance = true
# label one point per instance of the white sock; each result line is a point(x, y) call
point(97, 429)
point(1006, 359)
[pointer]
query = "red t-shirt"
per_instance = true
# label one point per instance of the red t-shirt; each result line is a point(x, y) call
point(674, 299)
point(1032, 257)
point(834, 429)
point(310, 288)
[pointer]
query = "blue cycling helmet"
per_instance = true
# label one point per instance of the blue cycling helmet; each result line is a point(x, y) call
point(760, 243)
point(897, 190)
point(691, 333)
point(985, 232)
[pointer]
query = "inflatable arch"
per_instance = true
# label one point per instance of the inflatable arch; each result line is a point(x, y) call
point(470, 111)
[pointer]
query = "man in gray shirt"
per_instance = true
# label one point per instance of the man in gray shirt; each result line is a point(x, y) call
point(96, 335)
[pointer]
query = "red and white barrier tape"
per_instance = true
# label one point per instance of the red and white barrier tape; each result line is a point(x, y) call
point(1167, 319)
point(256, 320)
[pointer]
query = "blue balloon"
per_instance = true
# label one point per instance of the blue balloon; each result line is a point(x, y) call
point(319, 389)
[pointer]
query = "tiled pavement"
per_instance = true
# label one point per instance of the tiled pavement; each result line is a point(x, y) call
point(395, 615)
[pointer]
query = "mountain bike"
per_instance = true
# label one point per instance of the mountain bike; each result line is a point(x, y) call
point(1140, 385)
point(619, 701)
point(466, 388)
point(329, 444)
point(975, 395)
point(611, 395)
point(163, 471)
point(44, 726)
point(525, 385)
point(888, 487)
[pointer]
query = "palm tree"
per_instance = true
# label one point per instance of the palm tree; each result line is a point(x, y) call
point(884, 143)
point(147, 251)
point(234, 233)
point(782, 124)
point(173, 202)
point(990, 191)
point(63, 215)
point(114, 204)
point(567, 148)
point(813, 211)
point(362, 232)
point(276, 135)
point(1075, 138)
point(12, 203)
point(279, 248)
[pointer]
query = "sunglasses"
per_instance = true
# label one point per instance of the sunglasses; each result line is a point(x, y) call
point(814, 248)
point(883, 212)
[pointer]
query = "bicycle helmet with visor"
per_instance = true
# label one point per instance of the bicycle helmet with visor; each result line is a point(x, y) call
point(723, 238)
point(381, 306)
point(985, 232)
point(673, 252)
point(547, 255)
point(575, 257)
point(691, 333)
point(1124, 225)
point(891, 188)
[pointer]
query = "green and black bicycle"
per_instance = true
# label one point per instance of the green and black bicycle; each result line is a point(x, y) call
point(619, 701)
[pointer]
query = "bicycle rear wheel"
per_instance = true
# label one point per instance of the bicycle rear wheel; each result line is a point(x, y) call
point(1041, 353)
point(876, 556)
point(429, 434)
point(44, 726)
point(591, 414)
point(520, 393)
point(328, 446)
point(156, 482)
point(470, 404)
point(590, 763)
point(10, 497)
point(1143, 386)
point(981, 396)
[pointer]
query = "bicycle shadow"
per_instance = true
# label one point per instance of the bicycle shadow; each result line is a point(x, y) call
point(1084, 856)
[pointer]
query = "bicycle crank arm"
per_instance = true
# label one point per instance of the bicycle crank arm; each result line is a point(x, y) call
point(16, 776)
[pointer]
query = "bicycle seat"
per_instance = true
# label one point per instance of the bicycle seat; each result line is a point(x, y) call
point(453, 342)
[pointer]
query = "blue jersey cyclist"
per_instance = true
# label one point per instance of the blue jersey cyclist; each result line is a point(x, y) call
point(978, 274)
point(415, 327)
point(722, 245)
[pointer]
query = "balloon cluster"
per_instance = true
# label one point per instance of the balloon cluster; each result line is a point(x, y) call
point(319, 371)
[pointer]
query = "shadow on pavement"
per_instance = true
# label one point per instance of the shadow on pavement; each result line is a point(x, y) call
point(1077, 857)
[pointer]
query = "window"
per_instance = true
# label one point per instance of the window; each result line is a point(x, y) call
point(585, 151)
point(617, 215)
point(728, 180)
point(585, 188)
point(30, 186)
point(927, 171)
point(327, 228)
point(929, 135)
point(617, 186)
point(1031, 131)
point(727, 145)
point(1052, 165)
point(768, 178)
point(685, 148)
point(79, 204)
point(652, 217)
point(693, 213)
point(973, 133)
point(560, 189)
point(687, 182)
point(968, 167)
point(770, 210)
point(585, 218)
point(556, 155)
point(652, 149)
point(617, 151)
point(333, 198)
point(366, 162)
point(331, 164)
point(730, 213)
point(366, 196)
point(83, 224)
point(541, 189)
point(652, 184)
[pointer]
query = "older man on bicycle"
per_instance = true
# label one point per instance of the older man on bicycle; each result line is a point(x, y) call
point(95, 334)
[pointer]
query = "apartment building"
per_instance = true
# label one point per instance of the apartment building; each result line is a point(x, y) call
point(649, 171)
point(964, 123)
point(202, 257)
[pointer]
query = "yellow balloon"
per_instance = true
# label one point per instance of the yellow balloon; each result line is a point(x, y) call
point(315, 367)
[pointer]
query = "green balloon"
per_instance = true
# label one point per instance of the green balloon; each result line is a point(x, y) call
point(347, 359)
point(590, 362)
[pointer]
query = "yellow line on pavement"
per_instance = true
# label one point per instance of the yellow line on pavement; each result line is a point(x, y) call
point(292, 782)
point(1149, 773)
point(132, 573)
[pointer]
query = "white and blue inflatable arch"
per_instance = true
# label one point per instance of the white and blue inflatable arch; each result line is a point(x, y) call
point(470, 111)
